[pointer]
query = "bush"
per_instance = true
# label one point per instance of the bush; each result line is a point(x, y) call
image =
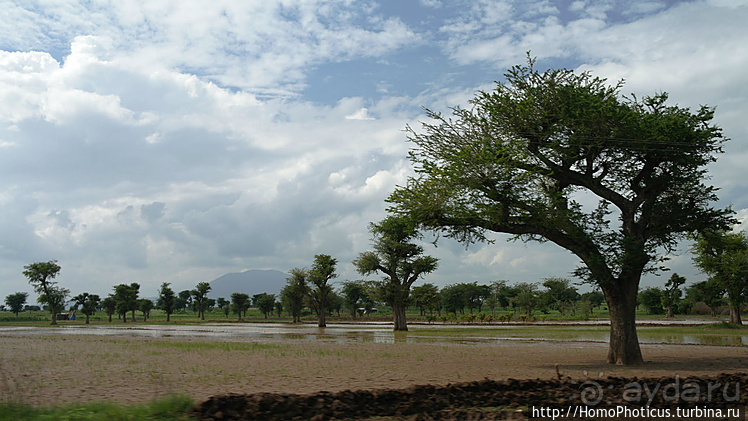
point(701, 309)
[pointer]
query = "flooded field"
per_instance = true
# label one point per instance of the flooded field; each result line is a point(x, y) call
point(382, 333)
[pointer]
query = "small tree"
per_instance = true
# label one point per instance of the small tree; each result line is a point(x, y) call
point(265, 303)
point(353, 292)
point(88, 304)
point(110, 306)
point(224, 305)
point(127, 299)
point(651, 299)
point(41, 276)
point(16, 301)
point(322, 271)
point(400, 261)
point(167, 300)
point(527, 298)
point(559, 294)
point(724, 257)
point(239, 303)
point(145, 305)
point(200, 298)
point(709, 292)
point(671, 293)
point(295, 292)
point(278, 308)
point(426, 296)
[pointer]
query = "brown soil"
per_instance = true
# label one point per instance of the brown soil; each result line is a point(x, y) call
point(50, 370)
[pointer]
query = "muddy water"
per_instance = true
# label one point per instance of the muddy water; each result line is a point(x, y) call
point(376, 333)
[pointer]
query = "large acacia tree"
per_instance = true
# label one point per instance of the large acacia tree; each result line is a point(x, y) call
point(400, 261)
point(525, 158)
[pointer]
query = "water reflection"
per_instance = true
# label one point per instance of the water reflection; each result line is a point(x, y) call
point(364, 333)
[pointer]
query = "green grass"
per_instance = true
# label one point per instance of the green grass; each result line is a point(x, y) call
point(175, 408)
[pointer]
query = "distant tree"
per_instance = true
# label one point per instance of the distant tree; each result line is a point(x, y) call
point(295, 292)
point(353, 292)
point(426, 296)
point(497, 296)
point(671, 293)
point(595, 298)
point(651, 299)
point(399, 259)
point(200, 298)
point(145, 305)
point(88, 304)
point(278, 308)
point(724, 257)
point(41, 276)
point(16, 301)
point(709, 292)
point(527, 298)
point(110, 306)
point(319, 276)
point(167, 300)
point(264, 302)
point(184, 300)
point(127, 299)
point(560, 294)
point(224, 305)
point(475, 295)
point(335, 302)
point(454, 298)
point(240, 303)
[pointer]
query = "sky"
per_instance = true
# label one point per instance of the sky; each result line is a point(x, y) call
point(176, 141)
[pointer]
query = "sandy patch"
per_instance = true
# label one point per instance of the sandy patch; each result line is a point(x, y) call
point(49, 370)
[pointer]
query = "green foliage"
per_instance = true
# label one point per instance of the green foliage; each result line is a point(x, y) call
point(110, 306)
point(264, 302)
point(176, 408)
point(200, 298)
point(651, 299)
point(167, 300)
point(41, 276)
point(322, 271)
point(560, 295)
point(709, 292)
point(426, 296)
point(87, 303)
point(295, 292)
point(16, 301)
point(239, 303)
point(126, 297)
point(724, 257)
point(520, 157)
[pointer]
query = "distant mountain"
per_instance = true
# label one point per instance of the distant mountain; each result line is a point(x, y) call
point(250, 282)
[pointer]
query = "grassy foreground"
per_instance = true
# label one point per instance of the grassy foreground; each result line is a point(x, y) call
point(176, 408)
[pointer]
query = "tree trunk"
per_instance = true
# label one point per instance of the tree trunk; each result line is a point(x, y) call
point(110, 318)
point(669, 313)
point(168, 318)
point(735, 315)
point(86, 318)
point(624, 343)
point(321, 317)
point(54, 314)
point(398, 315)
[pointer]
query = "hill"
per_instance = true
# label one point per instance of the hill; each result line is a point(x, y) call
point(250, 282)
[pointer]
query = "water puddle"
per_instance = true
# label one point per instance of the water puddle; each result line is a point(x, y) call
point(373, 333)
